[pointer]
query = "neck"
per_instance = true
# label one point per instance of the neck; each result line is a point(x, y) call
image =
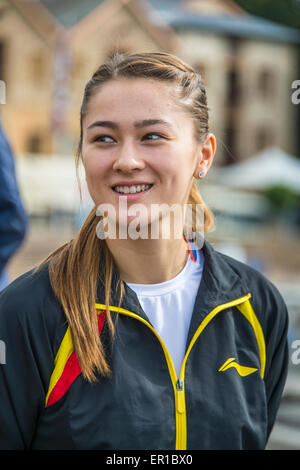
point(148, 261)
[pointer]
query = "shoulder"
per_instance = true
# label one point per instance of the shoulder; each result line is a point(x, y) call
point(30, 303)
point(32, 326)
point(27, 289)
point(266, 298)
point(255, 279)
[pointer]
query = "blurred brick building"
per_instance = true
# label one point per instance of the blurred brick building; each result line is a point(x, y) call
point(49, 48)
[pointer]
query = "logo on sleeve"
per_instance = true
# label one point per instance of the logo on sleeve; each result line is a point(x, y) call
point(242, 370)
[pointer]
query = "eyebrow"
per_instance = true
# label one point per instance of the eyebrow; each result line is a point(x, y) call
point(137, 125)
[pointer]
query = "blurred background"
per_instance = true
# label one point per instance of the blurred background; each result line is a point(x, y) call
point(248, 52)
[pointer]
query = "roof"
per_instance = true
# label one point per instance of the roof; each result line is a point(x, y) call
point(70, 12)
point(228, 24)
point(201, 6)
point(173, 13)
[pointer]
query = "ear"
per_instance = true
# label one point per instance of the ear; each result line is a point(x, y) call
point(206, 153)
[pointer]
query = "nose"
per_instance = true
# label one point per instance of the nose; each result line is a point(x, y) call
point(128, 160)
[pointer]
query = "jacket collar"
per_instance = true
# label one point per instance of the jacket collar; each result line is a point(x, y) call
point(220, 283)
point(221, 279)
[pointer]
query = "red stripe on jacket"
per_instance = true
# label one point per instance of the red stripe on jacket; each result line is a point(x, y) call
point(71, 371)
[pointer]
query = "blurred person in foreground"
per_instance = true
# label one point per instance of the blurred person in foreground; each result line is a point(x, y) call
point(13, 219)
point(154, 342)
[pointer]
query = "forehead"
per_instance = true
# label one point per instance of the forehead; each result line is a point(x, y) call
point(134, 98)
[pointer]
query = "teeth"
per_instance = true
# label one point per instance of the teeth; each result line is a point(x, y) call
point(132, 189)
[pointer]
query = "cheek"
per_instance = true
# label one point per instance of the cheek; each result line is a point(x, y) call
point(90, 162)
point(95, 167)
point(180, 176)
point(169, 165)
point(94, 174)
point(177, 169)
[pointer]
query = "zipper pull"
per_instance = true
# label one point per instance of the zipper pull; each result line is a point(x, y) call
point(180, 396)
point(179, 384)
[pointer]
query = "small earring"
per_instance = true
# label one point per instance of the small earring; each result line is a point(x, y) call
point(201, 174)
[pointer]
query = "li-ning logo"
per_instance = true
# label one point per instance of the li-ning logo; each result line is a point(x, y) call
point(242, 370)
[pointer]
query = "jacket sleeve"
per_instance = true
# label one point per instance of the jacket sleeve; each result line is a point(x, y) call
point(278, 362)
point(27, 360)
point(274, 319)
point(13, 219)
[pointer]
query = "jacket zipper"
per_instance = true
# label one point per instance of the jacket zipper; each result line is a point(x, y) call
point(180, 417)
point(178, 383)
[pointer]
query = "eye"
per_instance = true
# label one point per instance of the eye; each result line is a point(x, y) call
point(152, 136)
point(106, 139)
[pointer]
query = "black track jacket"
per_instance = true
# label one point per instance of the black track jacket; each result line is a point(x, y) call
point(226, 397)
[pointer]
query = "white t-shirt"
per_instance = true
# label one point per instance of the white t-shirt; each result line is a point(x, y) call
point(169, 306)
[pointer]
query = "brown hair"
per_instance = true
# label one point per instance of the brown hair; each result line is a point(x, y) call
point(74, 267)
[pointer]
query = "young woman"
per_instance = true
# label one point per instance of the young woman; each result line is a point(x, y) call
point(142, 343)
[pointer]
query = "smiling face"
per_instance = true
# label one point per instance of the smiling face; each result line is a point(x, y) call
point(138, 144)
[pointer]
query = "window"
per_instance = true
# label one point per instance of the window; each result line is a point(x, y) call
point(230, 141)
point(266, 83)
point(264, 138)
point(34, 144)
point(78, 67)
point(233, 86)
point(37, 65)
point(234, 43)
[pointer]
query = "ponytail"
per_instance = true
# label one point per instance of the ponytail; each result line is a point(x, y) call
point(74, 271)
